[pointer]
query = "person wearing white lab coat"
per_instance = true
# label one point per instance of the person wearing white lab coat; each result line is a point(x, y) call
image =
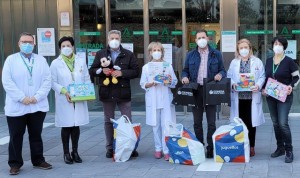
point(68, 68)
point(26, 79)
point(158, 97)
point(247, 105)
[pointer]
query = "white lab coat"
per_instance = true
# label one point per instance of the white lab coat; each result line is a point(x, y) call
point(256, 67)
point(15, 77)
point(66, 115)
point(168, 112)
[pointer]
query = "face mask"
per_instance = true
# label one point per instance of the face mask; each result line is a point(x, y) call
point(244, 52)
point(156, 55)
point(67, 51)
point(278, 49)
point(202, 43)
point(26, 48)
point(114, 44)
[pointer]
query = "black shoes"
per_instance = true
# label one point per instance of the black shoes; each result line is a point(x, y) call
point(289, 156)
point(209, 153)
point(109, 153)
point(278, 152)
point(68, 159)
point(76, 157)
point(134, 154)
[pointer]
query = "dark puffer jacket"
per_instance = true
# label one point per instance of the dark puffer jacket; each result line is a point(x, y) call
point(129, 68)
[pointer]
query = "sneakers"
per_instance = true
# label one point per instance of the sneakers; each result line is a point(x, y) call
point(157, 154)
point(14, 171)
point(134, 154)
point(252, 152)
point(278, 152)
point(44, 165)
point(167, 157)
point(289, 157)
point(109, 153)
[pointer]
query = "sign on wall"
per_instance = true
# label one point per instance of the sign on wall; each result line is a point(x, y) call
point(46, 41)
point(228, 40)
point(291, 49)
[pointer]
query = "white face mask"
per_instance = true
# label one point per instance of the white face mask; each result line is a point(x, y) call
point(244, 52)
point(67, 51)
point(202, 43)
point(156, 55)
point(114, 44)
point(278, 49)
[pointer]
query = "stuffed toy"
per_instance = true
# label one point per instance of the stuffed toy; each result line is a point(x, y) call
point(107, 63)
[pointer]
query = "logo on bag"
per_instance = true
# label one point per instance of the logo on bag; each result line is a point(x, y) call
point(179, 152)
point(229, 147)
point(186, 93)
point(216, 92)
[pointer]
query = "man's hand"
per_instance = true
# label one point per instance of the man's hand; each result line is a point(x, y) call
point(68, 97)
point(116, 73)
point(106, 71)
point(26, 100)
point(218, 77)
point(185, 80)
point(33, 100)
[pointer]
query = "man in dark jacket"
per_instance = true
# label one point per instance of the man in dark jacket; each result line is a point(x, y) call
point(203, 62)
point(114, 93)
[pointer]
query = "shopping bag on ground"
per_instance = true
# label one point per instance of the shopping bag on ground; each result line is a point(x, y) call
point(126, 138)
point(231, 142)
point(186, 149)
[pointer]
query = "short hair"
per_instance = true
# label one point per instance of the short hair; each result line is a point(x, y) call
point(202, 31)
point(281, 40)
point(114, 32)
point(65, 38)
point(152, 45)
point(244, 40)
point(26, 34)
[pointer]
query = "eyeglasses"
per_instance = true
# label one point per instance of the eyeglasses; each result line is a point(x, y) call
point(31, 42)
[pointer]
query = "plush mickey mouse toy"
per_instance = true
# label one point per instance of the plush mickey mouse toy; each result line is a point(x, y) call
point(107, 63)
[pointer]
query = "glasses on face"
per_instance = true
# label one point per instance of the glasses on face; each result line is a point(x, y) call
point(30, 42)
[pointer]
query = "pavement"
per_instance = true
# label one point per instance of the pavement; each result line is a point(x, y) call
point(95, 164)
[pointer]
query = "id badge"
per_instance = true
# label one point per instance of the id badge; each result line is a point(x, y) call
point(30, 82)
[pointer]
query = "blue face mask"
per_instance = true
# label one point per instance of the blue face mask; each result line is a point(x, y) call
point(26, 48)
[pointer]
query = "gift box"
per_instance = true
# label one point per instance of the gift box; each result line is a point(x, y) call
point(276, 89)
point(82, 92)
point(247, 81)
point(217, 92)
point(231, 143)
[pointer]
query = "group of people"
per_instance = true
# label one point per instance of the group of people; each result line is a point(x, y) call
point(27, 80)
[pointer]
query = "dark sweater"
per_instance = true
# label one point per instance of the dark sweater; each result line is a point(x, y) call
point(284, 71)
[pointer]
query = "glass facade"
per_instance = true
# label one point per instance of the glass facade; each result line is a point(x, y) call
point(172, 22)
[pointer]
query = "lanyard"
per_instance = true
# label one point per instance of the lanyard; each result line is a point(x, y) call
point(29, 67)
point(275, 68)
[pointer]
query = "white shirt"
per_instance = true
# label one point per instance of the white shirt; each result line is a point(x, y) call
point(15, 80)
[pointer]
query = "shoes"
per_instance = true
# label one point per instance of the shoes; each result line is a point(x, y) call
point(44, 165)
point(209, 153)
point(109, 153)
point(167, 157)
point(14, 171)
point(289, 157)
point(76, 157)
point(278, 152)
point(68, 159)
point(252, 152)
point(157, 154)
point(134, 154)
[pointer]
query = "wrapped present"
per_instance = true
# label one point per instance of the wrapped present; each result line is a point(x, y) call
point(247, 80)
point(126, 138)
point(231, 143)
point(186, 149)
point(82, 92)
point(276, 89)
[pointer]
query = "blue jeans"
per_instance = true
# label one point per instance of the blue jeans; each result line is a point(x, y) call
point(279, 112)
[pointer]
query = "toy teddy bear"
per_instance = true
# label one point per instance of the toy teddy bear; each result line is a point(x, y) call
point(106, 63)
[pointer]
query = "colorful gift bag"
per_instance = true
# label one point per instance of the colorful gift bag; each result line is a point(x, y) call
point(82, 92)
point(231, 143)
point(186, 149)
point(126, 138)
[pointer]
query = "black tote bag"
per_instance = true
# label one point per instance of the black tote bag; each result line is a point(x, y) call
point(186, 95)
point(217, 92)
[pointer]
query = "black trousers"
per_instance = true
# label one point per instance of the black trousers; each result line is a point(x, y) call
point(66, 133)
point(17, 126)
point(198, 118)
point(245, 115)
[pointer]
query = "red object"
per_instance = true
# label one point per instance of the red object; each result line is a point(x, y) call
point(48, 34)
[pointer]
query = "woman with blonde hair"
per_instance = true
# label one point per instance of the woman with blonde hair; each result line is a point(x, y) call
point(158, 97)
point(247, 105)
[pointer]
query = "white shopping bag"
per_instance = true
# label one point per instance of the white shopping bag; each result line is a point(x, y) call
point(174, 130)
point(125, 139)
